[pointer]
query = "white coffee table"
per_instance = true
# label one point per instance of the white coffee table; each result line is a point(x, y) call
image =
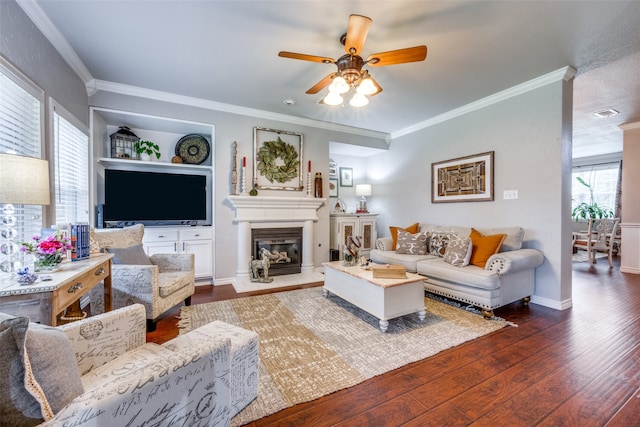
point(383, 298)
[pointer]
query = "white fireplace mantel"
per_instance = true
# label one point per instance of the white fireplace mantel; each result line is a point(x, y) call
point(275, 209)
point(265, 211)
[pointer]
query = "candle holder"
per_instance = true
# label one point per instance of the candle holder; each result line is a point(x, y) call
point(243, 191)
point(309, 192)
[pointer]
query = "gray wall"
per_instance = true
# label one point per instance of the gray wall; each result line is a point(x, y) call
point(526, 133)
point(28, 50)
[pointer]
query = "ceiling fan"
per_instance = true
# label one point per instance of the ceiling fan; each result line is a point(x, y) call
point(350, 74)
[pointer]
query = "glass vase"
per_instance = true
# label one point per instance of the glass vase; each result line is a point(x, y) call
point(47, 263)
point(350, 260)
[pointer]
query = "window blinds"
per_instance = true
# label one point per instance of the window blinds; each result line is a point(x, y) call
point(71, 147)
point(21, 112)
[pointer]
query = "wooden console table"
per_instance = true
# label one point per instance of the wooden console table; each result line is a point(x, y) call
point(44, 301)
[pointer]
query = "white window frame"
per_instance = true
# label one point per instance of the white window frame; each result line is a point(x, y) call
point(56, 109)
point(31, 217)
point(580, 193)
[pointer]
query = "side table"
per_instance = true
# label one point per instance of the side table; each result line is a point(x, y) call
point(44, 301)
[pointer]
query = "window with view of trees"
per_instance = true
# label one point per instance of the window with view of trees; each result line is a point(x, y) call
point(602, 179)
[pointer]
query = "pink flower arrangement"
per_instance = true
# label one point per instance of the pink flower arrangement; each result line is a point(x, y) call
point(52, 245)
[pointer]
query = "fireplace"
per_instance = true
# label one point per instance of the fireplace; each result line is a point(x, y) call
point(260, 212)
point(283, 247)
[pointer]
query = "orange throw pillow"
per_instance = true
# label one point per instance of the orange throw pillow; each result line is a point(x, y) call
point(484, 246)
point(413, 229)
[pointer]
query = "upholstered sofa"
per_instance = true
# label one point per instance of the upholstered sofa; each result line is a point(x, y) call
point(100, 372)
point(159, 282)
point(505, 276)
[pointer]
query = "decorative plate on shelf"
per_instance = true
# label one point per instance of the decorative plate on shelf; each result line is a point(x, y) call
point(193, 149)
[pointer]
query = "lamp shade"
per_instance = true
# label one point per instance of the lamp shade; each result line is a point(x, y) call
point(363, 189)
point(24, 180)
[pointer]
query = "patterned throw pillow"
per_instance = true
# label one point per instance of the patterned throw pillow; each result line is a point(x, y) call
point(458, 251)
point(412, 244)
point(413, 228)
point(438, 242)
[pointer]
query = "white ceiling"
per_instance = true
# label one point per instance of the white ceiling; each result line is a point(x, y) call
point(227, 52)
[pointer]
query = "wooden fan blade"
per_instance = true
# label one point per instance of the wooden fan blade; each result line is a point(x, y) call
point(400, 56)
point(357, 31)
point(321, 84)
point(304, 57)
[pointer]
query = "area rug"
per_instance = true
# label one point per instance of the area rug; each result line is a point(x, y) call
point(311, 345)
point(583, 256)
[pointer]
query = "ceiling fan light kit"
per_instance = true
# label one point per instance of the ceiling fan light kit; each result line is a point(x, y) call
point(350, 74)
point(359, 100)
point(333, 98)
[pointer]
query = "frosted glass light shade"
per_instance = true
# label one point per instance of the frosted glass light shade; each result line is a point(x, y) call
point(24, 180)
point(339, 85)
point(366, 87)
point(333, 98)
point(359, 100)
point(363, 190)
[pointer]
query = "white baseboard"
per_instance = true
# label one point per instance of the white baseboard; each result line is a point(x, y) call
point(556, 305)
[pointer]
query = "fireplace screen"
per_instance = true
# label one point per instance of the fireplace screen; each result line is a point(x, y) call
point(283, 247)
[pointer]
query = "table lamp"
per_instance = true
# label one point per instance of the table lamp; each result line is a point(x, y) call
point(363, 190)
point(23, 181)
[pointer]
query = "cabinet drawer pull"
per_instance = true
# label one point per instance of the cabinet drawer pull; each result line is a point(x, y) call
point(74, 288)
point(99, 271)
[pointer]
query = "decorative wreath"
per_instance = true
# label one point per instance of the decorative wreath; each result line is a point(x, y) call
point(269, 153)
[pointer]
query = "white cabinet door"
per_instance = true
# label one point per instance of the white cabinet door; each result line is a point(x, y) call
point(344, 225)
point(160, 241)
point(203, 254)
point(367, 230)
point(153, 248)
point(192, 240)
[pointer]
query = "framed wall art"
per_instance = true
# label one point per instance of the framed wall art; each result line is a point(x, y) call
point(333, 168)
point(277, 160)
point(346, 177)
point(333, 187)
point(465, 179)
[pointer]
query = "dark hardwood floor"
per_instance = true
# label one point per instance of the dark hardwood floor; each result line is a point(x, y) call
point(577, 367)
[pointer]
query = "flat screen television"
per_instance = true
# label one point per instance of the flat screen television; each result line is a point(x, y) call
point(155, 198)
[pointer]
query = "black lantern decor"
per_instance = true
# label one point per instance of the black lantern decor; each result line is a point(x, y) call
point(123, 144)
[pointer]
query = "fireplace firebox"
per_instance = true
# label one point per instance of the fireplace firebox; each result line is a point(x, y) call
point(283, 247)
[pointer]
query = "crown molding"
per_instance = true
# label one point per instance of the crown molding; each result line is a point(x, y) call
point(55, 37)
point(566, 73)
point(60, 43)
point(105, 86)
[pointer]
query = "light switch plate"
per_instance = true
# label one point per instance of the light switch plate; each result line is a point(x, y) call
point(510, 194)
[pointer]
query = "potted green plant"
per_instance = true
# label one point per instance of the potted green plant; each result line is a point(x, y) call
point(147, 149)
point(589, 210)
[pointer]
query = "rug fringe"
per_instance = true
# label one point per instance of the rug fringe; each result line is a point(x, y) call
point(469, 308)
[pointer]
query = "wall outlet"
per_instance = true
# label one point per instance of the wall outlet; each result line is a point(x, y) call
point(510, 194)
